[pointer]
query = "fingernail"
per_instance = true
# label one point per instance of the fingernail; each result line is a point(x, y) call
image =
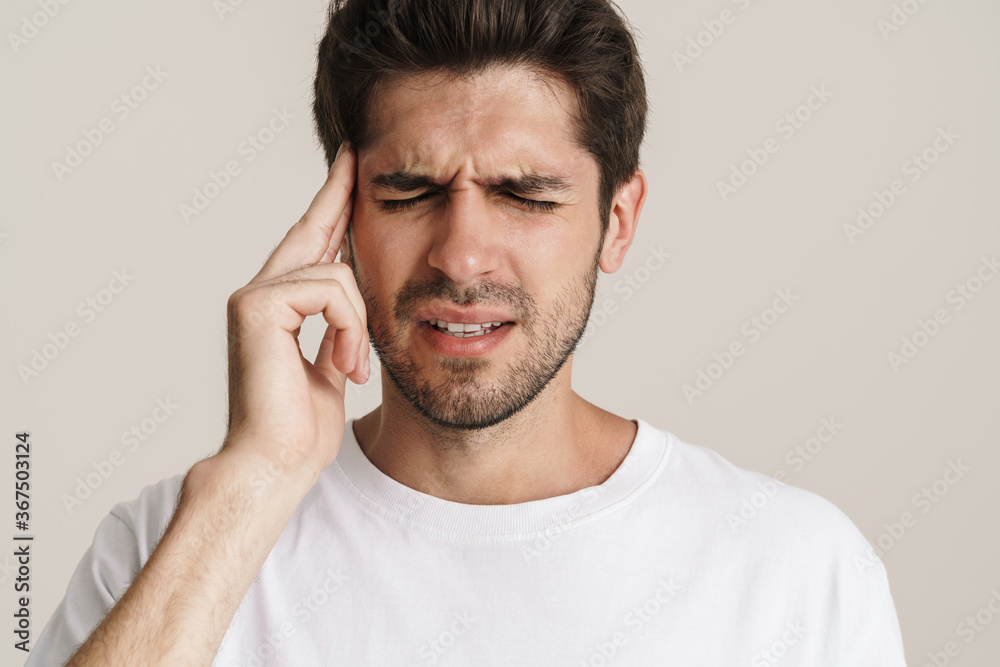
point(368, 367)
point(340, 150)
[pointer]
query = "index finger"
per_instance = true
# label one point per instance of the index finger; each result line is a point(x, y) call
point(320, 231)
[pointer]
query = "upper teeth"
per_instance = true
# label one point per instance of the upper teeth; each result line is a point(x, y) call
point(459, 326)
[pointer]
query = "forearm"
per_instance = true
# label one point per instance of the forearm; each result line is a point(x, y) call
point(231, 511)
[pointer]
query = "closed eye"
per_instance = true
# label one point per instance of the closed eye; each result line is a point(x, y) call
point(531, 203)
point(393, 205)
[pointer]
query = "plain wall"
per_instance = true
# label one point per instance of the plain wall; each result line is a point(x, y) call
point(857, 295)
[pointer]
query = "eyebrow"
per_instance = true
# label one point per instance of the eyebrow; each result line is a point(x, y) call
point(527, 184)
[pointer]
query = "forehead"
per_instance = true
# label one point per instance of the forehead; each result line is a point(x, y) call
point(489, 122)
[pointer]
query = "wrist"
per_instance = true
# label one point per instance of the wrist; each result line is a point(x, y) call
point(254, 474)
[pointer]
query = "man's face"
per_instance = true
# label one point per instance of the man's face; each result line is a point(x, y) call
point(465, 250)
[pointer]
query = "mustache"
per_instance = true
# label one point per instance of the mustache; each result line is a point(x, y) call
point(418, 291)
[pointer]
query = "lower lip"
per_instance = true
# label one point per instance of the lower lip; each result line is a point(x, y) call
point(453, 346)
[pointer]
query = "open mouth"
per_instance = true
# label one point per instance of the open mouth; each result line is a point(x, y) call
point(461, 330)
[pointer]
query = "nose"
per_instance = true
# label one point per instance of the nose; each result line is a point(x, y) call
point(466, 242)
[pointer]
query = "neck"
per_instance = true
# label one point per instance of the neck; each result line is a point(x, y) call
point(557, 444)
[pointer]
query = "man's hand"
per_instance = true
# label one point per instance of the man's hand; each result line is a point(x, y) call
point(284, 412)
point(278, 400)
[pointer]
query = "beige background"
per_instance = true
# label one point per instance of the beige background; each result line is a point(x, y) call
point(163, 336)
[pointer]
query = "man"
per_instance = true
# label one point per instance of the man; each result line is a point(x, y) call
point(484, 167)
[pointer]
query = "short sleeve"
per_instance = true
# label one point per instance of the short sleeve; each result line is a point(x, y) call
point(865, 617)
point(103, 575)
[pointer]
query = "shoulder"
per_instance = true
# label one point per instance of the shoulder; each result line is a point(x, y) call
point(750, 507)
point(771, 527)
point(781, 545)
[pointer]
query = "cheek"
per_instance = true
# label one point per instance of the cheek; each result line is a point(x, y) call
point(553, 252)
point(385, 255)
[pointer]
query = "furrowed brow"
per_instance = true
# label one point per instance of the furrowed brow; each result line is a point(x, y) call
point(530, 184)
point(403, 181)
point(526, 184)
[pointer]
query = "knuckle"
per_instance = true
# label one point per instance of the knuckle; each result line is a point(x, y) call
point(289, 279)
point(233, 304)
point(337, 286)
point(319, 248)
point(346, 277)
point(251, 307)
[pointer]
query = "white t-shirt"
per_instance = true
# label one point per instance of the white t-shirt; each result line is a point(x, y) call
point(678, 558)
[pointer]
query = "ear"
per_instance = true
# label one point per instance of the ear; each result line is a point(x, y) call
point(624, 217)
point(345, 248)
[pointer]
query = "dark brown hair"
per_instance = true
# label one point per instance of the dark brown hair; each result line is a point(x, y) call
point(585, 42)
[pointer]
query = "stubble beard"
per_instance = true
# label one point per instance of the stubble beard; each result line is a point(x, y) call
point(470, 395)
